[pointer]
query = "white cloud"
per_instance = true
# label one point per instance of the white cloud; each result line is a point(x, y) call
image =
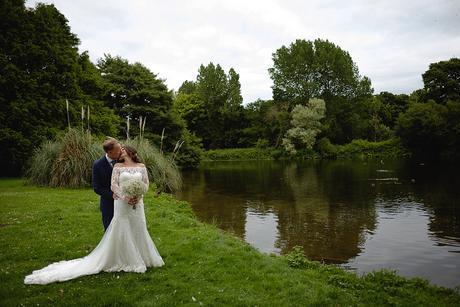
point(392, 41)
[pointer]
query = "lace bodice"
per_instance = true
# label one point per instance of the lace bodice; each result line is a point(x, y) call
point(121, 174)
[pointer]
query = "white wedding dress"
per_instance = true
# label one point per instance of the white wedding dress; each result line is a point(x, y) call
point(125, 246)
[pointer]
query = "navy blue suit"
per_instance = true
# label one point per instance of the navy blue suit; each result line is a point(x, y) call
point(102, 175)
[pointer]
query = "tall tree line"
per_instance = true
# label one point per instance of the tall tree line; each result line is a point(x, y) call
point(41, 69)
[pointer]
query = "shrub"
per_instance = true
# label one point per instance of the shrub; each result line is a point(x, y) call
point(367, 150)
point(262, 143)
point(326, 149)
point(296, 259)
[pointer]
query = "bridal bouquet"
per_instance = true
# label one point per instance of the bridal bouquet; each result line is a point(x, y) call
point(133, 188)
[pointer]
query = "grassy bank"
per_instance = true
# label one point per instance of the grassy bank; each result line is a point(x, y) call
point(235, 154)
point(363, 149)
point(357, 149)
point(204, 266)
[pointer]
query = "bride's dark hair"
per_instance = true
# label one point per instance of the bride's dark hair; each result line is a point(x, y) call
point(132, 153)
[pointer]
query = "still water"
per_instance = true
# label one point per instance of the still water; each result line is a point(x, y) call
point(364, 216)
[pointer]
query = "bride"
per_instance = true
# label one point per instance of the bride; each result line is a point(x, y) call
point(125, 246)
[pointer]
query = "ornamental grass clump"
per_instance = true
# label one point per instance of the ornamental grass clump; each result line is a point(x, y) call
point(65, 162)
point(72, 168)
point(163, 172)
point(41, 165)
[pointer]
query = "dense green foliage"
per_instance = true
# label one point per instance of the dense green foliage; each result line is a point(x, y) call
point(317, 69)
point(266, 123)
point(430, 127)
point(202, 264)
point(388, 149)
point(39, 69)
point(212, 106)
point(320, 69)
point(442, 81)
point(431, 130)
point(134, 92)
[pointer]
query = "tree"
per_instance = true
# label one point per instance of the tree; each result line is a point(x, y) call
point(213, 108)
point(103, 120)
point(134, 92)
point(187, 87)
point(234, 99)
point(321, 69)
point(453, 133)
point(379, 114)
point(309, 69)
point(442, 81)
point(211, 87)
point(306, 126)
point(423, 128)
point(430, 128)
point(266, 122)
point(191, 108)
point(40, 69)
point(391, 106)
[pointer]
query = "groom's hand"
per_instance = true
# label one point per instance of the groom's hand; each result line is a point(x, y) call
point(115, 196)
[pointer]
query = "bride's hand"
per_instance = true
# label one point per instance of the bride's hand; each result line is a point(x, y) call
point(133, 201)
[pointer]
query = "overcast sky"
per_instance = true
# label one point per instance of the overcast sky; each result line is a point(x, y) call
point(391, 41)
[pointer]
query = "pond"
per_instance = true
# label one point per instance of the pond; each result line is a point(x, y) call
point(364, 216)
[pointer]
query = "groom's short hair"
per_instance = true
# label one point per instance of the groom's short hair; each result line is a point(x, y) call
point(109, 143)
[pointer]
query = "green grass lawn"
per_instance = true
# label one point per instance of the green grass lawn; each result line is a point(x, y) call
point(203, 265)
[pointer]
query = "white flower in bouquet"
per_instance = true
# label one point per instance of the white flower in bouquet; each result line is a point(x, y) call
point(133, 188)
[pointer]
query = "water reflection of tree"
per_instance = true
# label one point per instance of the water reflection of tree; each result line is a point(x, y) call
point(327, 207)
point(221, 192)
point(331, 211)
point(436, 185)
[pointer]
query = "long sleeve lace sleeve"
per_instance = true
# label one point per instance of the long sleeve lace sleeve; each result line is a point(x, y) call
point(145, 177)
point(115, 182)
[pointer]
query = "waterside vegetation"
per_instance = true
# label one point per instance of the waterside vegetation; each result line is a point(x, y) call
point(357, 149)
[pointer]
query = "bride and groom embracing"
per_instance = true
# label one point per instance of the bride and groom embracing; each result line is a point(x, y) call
point(126, 244)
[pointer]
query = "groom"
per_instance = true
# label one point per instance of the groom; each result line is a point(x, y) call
point(102, 174)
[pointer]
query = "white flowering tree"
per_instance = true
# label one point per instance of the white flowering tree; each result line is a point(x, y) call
point(306, 124)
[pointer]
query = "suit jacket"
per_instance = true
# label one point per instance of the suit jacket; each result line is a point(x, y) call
point(102, 175)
